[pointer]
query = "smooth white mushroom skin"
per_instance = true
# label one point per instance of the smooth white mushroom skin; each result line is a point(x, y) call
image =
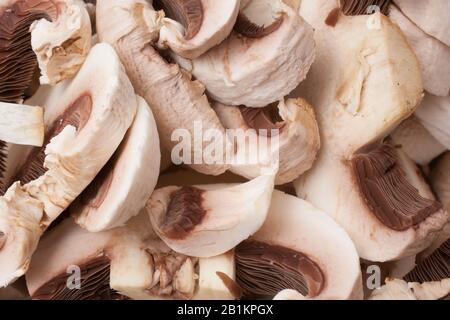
point(62, 46)
point(21, 124)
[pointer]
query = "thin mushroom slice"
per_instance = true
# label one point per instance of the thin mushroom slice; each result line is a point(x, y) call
point(21, 124)
point(416, 141)
point(178, 103)
point(206, 223)
point(429, 15)
point(295, 140)
point(125, 183)
point(266, 56)
point(396, 289)
point(434, 114)
point(95, 112)
point(192, 27)
point(61, 46)
point(371, 187)
point(432, 54)
point(122, 263)
point(298, 248)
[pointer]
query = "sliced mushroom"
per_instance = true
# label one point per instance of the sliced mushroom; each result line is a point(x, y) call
point(434, 114)
point(368, 186)
point(295, 141)
point(205, 223)
point(302, 249)
point(126, 262)
point(432, 54)
point(62, 45)
point(94, 114)
point(440, 179)
point(126, 182)
point(21, 124)
point(177, 102)
point(263, 60)
point(192, 27)
point(416, 141)
point(430, 15)
point(396, 289)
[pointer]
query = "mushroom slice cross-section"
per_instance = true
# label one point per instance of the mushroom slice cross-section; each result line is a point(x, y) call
point(126, 262)
point(21, 124)
point(62, 45)
point(180, 106)
point(192, 27)
point(125, 183)
point(294, 142)
point(206, 223)
point(298, 248)
point(266, 56)
point(371, 187)
point(95, 112)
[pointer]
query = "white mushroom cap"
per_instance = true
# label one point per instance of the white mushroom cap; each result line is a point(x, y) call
point(257, 71)
point(206, 223)
point(317, 12)
point(295, 224)
point(433, 55)
point(61, 46)
point(124, 185)
point(295, 145)
point(434, 114)
point(429, 15)
point(416, 141)
point(215, 22)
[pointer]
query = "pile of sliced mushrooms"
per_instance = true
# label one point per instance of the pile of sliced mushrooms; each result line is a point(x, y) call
point(94, 206)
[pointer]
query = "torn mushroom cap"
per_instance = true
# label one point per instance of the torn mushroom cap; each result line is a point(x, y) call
point(128, 261)
point(17, 59)
point(266, 56)
point(295, 141)
point(416, 141)
point(21, 124)
point(61, 46)
point(431, 16)
point(434, 114)
point(372, 189)
point(192, 27)
point(206, 223)
point(178, 103)
point(396, 289)
point(299, 248)
point(432, 54)
point(95, 112)
point(125, 183)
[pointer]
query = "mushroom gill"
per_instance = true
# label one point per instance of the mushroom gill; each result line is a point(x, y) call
point(358, 7)
point(387, 191)
point(263, 270)
point(247, 28)
point(266, 118)
point(94, 284)
point(187, 12)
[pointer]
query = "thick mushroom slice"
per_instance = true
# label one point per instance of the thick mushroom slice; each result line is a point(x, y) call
point(178, 103)
point(429, 15)
point(266, 56)
point(434, 114)
point(125, 183)
point(396, 289)
point(204, 221)
point(94, 114)
point(192, 27)
point(126, 262)
point(288, 133)
point(369, 187)
point(432, 54)
point(21, 124)
point(416, 141)
point(62, 45)
point(302, 249)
